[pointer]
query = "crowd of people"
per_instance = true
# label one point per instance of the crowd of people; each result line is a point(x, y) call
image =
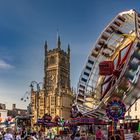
point(22, 134)
point(10, 134)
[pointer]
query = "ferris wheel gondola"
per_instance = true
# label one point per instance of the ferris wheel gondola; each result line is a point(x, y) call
point(112, 68)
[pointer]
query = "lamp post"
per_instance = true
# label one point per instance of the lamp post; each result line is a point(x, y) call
point(34, 83)
point(25, 96)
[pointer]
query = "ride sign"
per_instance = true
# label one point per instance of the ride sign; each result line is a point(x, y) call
point(115, 109)
point(106, 67)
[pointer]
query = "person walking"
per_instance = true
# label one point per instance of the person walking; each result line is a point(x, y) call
point(136, 136)
point(9, 134)
point(77, 136)
point(18, 136)
point(99, 134)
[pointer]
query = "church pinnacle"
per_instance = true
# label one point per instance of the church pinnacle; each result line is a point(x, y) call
point(58, 42)
point(46, 46)
point(68, 50)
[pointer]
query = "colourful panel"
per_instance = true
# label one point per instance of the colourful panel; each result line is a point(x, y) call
point(106, 68)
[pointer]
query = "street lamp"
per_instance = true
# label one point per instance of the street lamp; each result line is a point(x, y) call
point(25, 96)
point(37, 85)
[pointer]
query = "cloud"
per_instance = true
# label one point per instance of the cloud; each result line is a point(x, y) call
point(5, 65)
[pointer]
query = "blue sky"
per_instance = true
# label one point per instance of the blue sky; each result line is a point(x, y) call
point(26, 24)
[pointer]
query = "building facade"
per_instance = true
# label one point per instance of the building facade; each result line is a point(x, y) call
point(16, 111)
point(3, 114)
point(134, 111)
point(2, 106)
point(56, 96)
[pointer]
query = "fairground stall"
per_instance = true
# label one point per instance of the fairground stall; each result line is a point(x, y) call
point(59, 126)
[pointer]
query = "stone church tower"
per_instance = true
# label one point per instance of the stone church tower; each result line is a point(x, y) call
point(55, 98)
point(58, 95)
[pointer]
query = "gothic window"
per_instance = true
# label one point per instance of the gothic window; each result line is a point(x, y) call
point(41, 111)
point(41, 100)
point(52, 100)
point(58, 101)
point(51, 80)
point(52, 110)
point(63, 80)
point(52, 60)
point(63, 61)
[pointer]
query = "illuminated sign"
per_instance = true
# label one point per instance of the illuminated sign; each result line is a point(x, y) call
point(115, 109)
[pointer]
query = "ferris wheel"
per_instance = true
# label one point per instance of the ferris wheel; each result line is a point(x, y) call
point(112, 68)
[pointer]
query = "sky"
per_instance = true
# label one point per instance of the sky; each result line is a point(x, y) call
point(25, 25)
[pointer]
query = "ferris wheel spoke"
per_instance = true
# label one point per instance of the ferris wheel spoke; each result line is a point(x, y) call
point(113, 81)
point(103, 93)
point(119, 59)
point(127, 53)
point(107, 80)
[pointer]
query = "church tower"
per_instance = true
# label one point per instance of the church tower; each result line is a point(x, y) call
point(58, 95)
